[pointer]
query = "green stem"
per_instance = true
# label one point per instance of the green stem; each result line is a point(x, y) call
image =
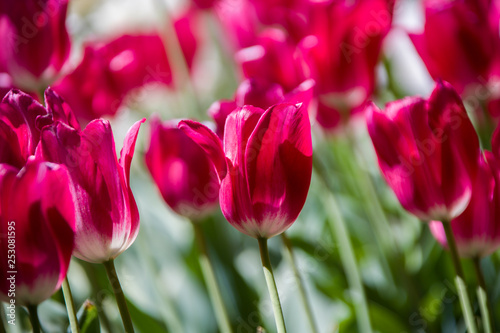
point(339, 231)
point(300, 284)
point(2, 317)
point(211, 281)
point(119, 295)
point(484, 304)
point(70, 306)
point(271, 285)
point(35, 322)
point(460, 279)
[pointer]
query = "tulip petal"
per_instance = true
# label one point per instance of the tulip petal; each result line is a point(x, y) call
point(208, 141)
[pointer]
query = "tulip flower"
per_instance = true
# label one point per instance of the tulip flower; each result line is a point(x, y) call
point(35, 41)
point(21, 118)
point(344, 54)
point(265, 165)
point(109, 71)
point(428, 152)
point(39, 226)
point(477, 229)
point(269, 165)
point(459, 41)
point(274, 58)
point(110, 219)
point(182, 170)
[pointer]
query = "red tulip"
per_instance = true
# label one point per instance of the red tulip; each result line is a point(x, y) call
point(344, 43)
point(110, 219)
point(182, 170)
point(35, 43)
point(459, 41)
point(269, 165)
point(39, 226)
point(21, 118)
point(428, 152)
point(477, 229)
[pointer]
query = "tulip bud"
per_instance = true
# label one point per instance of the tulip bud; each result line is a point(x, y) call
point(110, 219)
point(37, 229)
point(428, 152)
point(269, 166)
point(182, 170)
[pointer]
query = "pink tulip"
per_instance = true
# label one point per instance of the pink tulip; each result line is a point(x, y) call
point(459, 41)
point(275, 59)
point(344, 43)
point(269, 165)
point(109, 71)
point(428, 152)
point(110, 219)
point(477, 229)
point(182, 170)
point(39, 226)
point(21, 118)
point(35, 43)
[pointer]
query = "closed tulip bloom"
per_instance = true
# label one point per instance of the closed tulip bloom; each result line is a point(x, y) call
point(477, 229)
point(35, 43)
point(182, 170)
point(269, 166)
point(459, 41)
point(428, 152)
point(110, 219)
point(39, 226)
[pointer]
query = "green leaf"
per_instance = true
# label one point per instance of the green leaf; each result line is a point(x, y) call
point(88, 318)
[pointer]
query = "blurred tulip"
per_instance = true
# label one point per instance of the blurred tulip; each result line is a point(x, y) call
point(477, 229)
point(428, 152)
point(39, 226)
point(344, 43)
point(35, 43)
point(459, 41)
point(109, 71)
point(269, 166)
point(239, 23)
point(110, 219)
point(182, 170)
point(275, 59)
point(21, 118)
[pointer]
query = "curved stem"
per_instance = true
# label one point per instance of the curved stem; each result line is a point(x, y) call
point(460, 279)
point(211, 281)
point(120, 297)
point(271, 285)
point(35, 322)
point(488, 323)
point(70, 306)
point(300, 284)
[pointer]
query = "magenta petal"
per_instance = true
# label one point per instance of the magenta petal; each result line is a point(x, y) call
point(44, 227)
point(182, 170)
point(209, 142)
point(219, 111)
point(59, 109)
point(279, 165)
